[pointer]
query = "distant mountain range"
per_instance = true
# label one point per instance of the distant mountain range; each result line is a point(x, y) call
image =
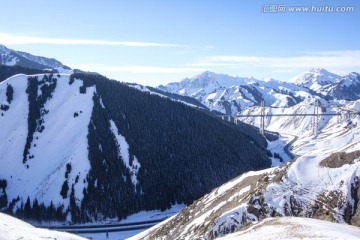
point(230, 95)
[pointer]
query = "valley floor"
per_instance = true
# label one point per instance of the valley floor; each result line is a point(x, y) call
point(279, 147)
point(141, 217)
point(131, 226)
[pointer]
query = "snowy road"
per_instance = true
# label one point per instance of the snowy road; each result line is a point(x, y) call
point(287, 146)
point(107, 227)
point(131, 226)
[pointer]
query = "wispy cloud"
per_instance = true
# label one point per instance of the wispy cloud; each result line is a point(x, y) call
point(331, 60)
point(11, 39)
point(137, 69)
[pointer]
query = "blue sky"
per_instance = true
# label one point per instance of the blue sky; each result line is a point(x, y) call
point(154, 42)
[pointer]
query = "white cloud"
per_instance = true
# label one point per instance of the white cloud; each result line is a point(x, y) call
point(137, 69)
point(10, 39)
point(282, 71)
point(330, 60)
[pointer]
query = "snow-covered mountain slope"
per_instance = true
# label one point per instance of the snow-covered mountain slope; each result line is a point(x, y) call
point(316, 79)
point(322, 183)
point(296, 228)
point(348, 87)
point(180, 98)
point(11, 57)
point(59, 141)
point(85, 148)
point(230, 95)
point(14, 229)
point(207, 80)
point(330, 85)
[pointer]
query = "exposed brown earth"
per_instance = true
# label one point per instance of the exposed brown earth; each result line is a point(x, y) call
point(337, 160)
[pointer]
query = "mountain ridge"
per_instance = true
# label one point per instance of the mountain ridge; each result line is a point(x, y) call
point(230, 95)
point(11, 57)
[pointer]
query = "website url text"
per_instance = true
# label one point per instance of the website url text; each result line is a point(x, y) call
point(281, 8)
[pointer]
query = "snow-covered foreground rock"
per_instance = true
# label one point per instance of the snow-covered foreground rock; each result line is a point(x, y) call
point(322, 183)
point(14, 229)
point(296, 228)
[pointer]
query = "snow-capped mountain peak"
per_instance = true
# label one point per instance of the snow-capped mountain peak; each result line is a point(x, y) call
point(4, 49)
point(220, 79)
point(318, 70)
point(207, 81)
point(315, 79)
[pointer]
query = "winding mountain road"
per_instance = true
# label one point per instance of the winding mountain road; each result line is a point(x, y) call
point(287, 147)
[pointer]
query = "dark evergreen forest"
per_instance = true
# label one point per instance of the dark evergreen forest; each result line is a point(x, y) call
point(8, 71)
point(184, 153)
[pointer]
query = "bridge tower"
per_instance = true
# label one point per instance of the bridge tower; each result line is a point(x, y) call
point(316, 117)
point(262, 119)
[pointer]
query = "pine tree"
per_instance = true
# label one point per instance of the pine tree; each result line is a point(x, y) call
point(9, 93)
point(64, 189)
point(27, 209)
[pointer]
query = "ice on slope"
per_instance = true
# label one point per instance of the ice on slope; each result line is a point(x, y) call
point(14, 229)
point(63, 141)
point(296, 228)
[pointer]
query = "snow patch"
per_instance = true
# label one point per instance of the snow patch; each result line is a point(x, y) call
point(296, 228)
point(14, 229)
point(123, 146)
point(64, 138)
